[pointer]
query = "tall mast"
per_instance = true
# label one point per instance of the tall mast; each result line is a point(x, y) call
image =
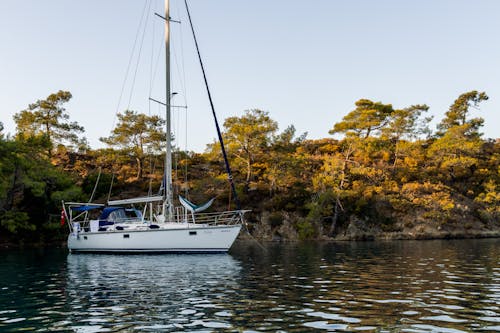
point(168, 156)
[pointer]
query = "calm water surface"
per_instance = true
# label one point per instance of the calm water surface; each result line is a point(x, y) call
point(426, 286)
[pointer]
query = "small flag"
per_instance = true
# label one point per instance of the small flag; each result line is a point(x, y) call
point(63, 217)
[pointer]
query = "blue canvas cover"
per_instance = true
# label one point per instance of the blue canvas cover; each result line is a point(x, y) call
point(108, 210)
point(84, 208)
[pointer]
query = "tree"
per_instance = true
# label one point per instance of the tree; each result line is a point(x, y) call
point(247, 136)
point(286, 140)
point(31, 189)
point(362, 163)
point(281, 163)
point(367, 118)
point(459, 111)
point(407, 123)
point(490, 198)
point(455, 153)
point(48, 118)
point(331, 181)
point(1, 130)
point(136, 134)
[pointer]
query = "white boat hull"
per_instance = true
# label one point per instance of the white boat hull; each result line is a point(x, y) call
point(174, 240)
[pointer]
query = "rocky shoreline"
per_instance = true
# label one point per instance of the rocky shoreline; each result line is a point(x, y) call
point(263, 229)
point(367, 230)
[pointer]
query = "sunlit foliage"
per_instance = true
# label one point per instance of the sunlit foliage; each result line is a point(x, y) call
point(386, 172)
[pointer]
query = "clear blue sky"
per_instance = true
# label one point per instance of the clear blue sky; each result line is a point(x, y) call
point(306, 62)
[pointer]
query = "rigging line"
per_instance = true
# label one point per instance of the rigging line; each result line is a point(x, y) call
point(158, 59)
point(95, 186)
point(186, 159)
point(180, 67)
point(181, 38)
point(228, 168)
point(150, 157)
point(151, 64)
point(160, 50)
point(182, 78)
point(111, 186)
point(177, 129)
point(152, 166)
point(129, 64)
point(183, 66)
point(183, 83)
point(176, 61)
point(176, 118)
point(253, 238)
point(181, 70)
point(150, 153)
point(174, 154)
point(161, 190)
point(138, 59)
point(184, 90)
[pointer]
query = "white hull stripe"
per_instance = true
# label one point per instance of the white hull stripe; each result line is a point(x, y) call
point(193, 250)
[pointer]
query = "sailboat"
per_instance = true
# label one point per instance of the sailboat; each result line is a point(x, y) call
point(159, 225)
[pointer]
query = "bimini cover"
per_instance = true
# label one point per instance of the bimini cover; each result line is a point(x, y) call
point(192, 207)
point(108, 210)
point(84, 208)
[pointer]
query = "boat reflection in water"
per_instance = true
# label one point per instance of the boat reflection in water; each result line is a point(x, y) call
point(425, 286)
point(149, 292)
point(429, 286)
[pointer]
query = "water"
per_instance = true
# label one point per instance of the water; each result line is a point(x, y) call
point(425, 286)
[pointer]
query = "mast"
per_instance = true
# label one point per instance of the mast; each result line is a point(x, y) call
point(168, 155)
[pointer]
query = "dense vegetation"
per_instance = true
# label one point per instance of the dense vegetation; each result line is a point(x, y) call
point(389, 175)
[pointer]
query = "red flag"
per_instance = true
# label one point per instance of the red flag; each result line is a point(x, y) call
point(63, 217)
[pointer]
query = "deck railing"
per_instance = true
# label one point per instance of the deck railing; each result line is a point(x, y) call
point(181, 216)
point(216, 218)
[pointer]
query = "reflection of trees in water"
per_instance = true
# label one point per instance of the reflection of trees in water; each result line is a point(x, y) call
point(32, 288)
point(376, 283)
point(392, 285)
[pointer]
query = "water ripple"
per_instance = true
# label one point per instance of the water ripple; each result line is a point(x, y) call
point(435, 286)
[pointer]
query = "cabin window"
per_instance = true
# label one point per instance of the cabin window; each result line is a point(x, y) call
point(192, 233)
point(126, 236)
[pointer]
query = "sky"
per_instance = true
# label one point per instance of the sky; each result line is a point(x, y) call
point(305, 62)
